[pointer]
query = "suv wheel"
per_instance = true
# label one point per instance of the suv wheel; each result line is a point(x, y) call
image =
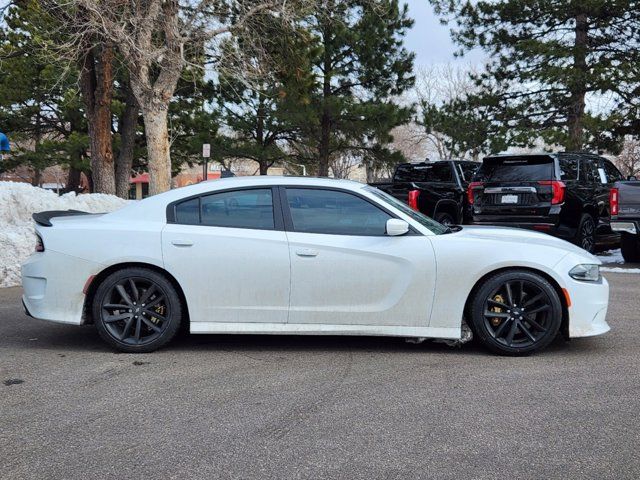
point(445, 219)
point(586, 236)
point(516, 312)
point(137, 310)
point(630, 246)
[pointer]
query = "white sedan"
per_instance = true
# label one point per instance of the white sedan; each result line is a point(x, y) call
point(306, 256)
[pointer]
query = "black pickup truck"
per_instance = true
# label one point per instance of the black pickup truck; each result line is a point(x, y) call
point(625, 217)
point(437, 189)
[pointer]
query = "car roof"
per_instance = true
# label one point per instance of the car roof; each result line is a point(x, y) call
point(155, 207)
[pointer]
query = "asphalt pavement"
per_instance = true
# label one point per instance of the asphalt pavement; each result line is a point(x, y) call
point(317, 407)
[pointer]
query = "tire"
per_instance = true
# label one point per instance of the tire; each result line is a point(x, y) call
point(445, 219)
point(520, 319)
point(137, 310)
point(630, 246)
point(586, 234)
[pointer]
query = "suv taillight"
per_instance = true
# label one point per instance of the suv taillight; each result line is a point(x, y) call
point(614, 201)
point(39, 244)
point(558, 188)
point(470, 188)
point(414, 195)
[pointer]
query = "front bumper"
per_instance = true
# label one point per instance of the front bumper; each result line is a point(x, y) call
point(589, 301)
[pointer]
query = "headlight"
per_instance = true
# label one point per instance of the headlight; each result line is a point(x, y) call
point(586, 273)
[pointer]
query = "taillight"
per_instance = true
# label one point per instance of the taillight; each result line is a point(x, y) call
point(470, 188)
point(414, 195)
point(557, 188)
point(39, 244)
point(614, 201)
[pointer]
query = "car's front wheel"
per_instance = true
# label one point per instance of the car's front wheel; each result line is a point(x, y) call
point(137, 310)
point(516, 312)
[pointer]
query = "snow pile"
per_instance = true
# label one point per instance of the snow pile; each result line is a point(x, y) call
point(18, 201)
point(611, 256)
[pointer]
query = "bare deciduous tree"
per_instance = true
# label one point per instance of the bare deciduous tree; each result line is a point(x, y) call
point(629, 159)
point(154, 38)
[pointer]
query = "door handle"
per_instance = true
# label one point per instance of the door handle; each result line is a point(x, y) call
point(306, 252)
point(182, 243)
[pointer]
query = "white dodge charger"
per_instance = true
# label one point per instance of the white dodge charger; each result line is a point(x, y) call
point(305, 256)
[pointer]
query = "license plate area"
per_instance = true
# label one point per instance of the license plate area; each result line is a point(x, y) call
point(509, 199)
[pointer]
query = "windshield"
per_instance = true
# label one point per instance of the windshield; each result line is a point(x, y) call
point(423, 220)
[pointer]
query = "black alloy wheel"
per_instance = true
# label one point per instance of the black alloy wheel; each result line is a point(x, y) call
point(136, 310)
point(445, 219)
point(516, 312)
point(587, 233)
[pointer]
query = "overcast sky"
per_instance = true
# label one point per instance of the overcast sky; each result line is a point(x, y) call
point(430, 40)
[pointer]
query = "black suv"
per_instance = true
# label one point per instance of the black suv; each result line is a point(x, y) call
point(563, 194)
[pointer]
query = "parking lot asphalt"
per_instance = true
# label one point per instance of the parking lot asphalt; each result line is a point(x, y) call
point(317, 407)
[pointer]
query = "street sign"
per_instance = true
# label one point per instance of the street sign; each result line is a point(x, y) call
point(206, 150)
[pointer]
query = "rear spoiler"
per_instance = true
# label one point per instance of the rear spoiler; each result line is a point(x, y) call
point(44, 218)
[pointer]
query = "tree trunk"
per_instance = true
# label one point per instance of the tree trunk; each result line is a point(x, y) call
point(73, 180)
point(157, 135)
point(264, 167)
point(96, 83)
point(128, 126)
point(325, 120)
point(578, 87)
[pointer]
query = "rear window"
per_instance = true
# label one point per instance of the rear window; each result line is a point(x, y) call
point(424, 172)
point(514, 169)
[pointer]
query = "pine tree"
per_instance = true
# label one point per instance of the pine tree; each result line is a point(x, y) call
point(359, 65)
point(547, 60)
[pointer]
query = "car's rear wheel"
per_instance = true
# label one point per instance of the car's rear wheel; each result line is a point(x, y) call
point(445, 219)
point(586, 236)
point(630, 246)
point(516, 312)
point(137, 310)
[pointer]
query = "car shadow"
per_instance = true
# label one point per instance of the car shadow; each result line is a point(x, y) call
point(36, 334)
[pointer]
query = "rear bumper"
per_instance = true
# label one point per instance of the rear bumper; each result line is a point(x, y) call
point(628, 226)
point(53, 283)
point(544, 224)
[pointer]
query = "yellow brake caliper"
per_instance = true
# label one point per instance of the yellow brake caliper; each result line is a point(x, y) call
point(160, 311)
point(495, 321)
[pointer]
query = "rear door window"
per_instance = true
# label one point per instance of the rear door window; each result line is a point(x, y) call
point(234, 209)
point(467, 170)
point(517, 169)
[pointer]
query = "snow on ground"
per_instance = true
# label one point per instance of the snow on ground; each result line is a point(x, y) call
point(18, 201)
point(611, 256)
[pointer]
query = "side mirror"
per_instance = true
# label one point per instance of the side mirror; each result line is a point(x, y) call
point(396, 227)
point(632, 178)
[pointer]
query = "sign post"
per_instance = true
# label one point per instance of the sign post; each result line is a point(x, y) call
point(206, 153)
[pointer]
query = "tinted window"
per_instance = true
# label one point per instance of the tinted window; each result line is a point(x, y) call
point(569, 168)
point(467, 170)
point(236, 209)
point(333, 212)
point(613, 175)
point(188, 212)
point(515, 169)
point(424, 172)
point(588, 171)
point(425, 221)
